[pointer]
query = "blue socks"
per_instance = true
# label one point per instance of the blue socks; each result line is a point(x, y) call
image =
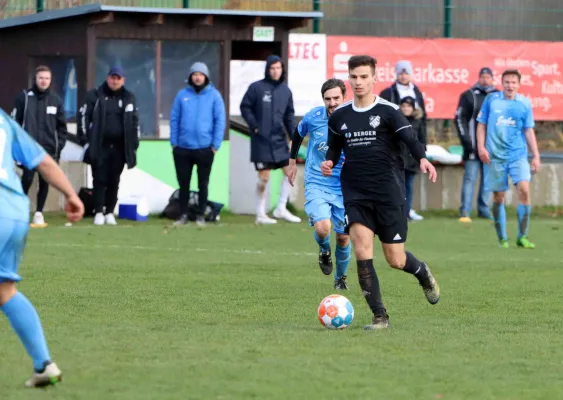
point(499, 214)
point(26, 323)
point(342, 259)
point(524, 212)
point(324, 244)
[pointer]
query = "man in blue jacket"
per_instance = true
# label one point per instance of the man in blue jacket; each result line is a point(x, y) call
point(267, 107)
point(197, 127)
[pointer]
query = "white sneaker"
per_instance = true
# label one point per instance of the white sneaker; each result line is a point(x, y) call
point(110, 219)
point(286, 215)
point(99, 219)
point(38, 219)
point(50, 376)
point(414, 216)
point(265, 220)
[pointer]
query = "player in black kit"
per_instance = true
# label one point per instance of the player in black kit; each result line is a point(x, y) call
point(369, 129)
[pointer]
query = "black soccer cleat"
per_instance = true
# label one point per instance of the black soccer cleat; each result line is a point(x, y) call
point(430, 286)
point(325, 262)
point(379, 321)
point(340, 284)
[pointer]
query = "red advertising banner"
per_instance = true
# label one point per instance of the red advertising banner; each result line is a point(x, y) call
point(444, 68)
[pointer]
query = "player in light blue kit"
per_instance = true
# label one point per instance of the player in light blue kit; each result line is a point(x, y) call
point(17, 145)
point(323, 195)
point(505, 130)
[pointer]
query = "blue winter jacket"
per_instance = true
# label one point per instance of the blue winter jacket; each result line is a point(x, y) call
point(198, 120)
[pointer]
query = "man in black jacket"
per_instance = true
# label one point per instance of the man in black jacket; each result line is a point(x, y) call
point(41, 113)
point(267, 107)
point(470, 103)
point(404, 87)
point(110, 130)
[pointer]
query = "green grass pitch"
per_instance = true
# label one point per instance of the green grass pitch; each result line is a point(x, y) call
point(139, 311)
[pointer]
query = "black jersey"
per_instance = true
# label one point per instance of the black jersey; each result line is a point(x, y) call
point(370, 137)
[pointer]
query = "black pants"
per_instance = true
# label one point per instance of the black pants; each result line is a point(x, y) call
point(184, 160)
point(42, 192)
point(106, 174)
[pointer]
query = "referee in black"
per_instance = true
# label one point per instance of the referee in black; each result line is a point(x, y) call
point(369, 129)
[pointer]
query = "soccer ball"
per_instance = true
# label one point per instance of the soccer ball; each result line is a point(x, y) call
point(335, 312)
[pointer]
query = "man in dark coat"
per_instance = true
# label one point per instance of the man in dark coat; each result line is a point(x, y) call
point(110, 129)
point(468, 108)
point(267, 107)
point(41, 113)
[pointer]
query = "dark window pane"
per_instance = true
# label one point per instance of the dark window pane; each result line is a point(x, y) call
point(177, 58)
point(137, 57)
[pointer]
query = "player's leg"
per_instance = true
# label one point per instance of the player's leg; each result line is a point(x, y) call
point(263, 179)
point(392, 231)
point(343, 246)
point(520, 174)
point(18, 309)
point(495, 176)
point(361, 227)
point(318, 212)
point(281, 210)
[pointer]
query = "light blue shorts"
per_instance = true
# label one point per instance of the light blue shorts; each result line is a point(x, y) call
point(321, 205)
point(496, 174)
point(13, 235)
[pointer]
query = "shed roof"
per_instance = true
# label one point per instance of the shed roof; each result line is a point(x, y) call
point(96, 7)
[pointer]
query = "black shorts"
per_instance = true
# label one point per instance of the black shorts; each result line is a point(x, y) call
point(388, 222)
point(267, 166)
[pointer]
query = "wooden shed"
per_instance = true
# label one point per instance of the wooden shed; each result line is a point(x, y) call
point(155, 46)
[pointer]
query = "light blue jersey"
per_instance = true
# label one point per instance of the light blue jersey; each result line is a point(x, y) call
point(315, 124)
point(507, 121)
point(15, 145)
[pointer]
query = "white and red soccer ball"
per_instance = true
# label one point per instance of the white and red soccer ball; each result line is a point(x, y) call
point(335, 312)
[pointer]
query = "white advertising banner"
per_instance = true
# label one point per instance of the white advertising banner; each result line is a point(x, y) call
point(307, 73)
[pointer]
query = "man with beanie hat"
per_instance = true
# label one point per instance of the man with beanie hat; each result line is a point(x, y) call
point(401, 88)
point(267, 108)
point(468, 108)
point(197, 128)
point(109, 129)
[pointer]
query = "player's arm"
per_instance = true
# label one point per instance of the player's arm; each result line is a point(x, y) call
point(31, 155)
point(530, 134)
point(335, 145)
point(481, 134)
point(299, 134)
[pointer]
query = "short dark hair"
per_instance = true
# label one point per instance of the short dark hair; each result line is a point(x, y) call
point(332, 84)
point(42, 68)
point(514, 72)
point(360, 61)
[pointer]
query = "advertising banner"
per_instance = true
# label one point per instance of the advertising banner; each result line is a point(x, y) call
point(444, 68)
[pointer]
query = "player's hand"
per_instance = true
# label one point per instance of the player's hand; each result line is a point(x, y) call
point(292, 171)
point(427, 167)
point(484, 155)
point(326, 167)
point(74, 208)
point(536, 165)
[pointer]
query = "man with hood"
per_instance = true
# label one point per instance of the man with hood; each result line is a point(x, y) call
point(109, 129)
point(468, 108)
point(267, 107)
point(197, 128)
point(41, 113)
point(401, 88)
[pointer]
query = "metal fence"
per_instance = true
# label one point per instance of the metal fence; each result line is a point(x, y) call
point(479, 19)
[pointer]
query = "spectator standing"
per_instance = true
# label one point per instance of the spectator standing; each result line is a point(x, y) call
point(41, 113)
point(197, 128)
point(110, 131)
point(414, 116)
point(401, 88)
point(468, 108)
point(267, 107)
